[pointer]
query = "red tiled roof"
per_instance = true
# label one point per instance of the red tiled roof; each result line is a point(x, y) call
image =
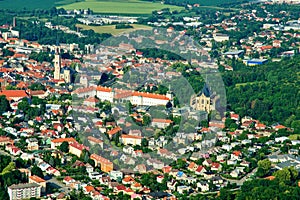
point(83, 90)
point(100, 159)
point(60, 140)
point(131, 136)
point(79, 146)
point(162, 120)
point(150, 95)
point(89, 188)
point(236, 153)
point(215, 165)
point(114, 130)
point(92, 100)
point(13, 93)
point(37, 179)
point(95, 140)
point(68, 178)
point(103, 89)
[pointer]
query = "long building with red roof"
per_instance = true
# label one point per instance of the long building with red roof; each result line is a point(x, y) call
point(135, 97)
point(104, 163)
point(58, 141)
point(14, 95)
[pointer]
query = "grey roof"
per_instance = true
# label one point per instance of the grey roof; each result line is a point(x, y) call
point(205, 91)
point(23, 186)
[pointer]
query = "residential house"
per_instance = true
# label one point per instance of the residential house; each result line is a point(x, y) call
point(32, 144)
point(200, 170)
point(39, 181)
point(203, 186)
point(130, 139)
point(182, 189)
point(216, 166)
point(104, 163)
point(57, 142)
point(116, 175)
point(68, 180)
point(161, 123)
point(76, 149)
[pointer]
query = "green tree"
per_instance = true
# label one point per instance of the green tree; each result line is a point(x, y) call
point(37, 171)
point(64, 147)
point(4, 104)
point(24, 105)
point(296, 126)
point(146, 120)
point(264, 167)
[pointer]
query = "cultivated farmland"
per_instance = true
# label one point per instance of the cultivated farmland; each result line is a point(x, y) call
point(119, 6)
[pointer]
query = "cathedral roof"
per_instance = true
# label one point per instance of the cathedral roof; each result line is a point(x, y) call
point(205, 90)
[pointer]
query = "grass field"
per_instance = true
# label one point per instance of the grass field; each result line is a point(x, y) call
point(294, 136)
point(111, 28)
point(32, 4)
point(119, 6)
point(98, 6)
point(107, 6)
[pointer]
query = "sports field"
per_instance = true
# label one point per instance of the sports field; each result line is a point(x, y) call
point(119, 6)
point(111, 28)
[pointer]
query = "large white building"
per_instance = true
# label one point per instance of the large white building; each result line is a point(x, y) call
point(24, 191)
point(135, 97)
point(114, 94)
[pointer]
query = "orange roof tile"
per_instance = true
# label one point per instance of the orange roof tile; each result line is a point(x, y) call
point(131, 136)
point(162, 120)
point(37, 179)
point(61, 140)
point(103, 89)
point(13, 93)
point(114, 130)
point(100, 159)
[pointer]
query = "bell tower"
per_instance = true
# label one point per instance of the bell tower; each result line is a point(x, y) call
point(57, 65)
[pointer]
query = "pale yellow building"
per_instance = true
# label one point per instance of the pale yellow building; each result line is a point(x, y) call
point(204, 101)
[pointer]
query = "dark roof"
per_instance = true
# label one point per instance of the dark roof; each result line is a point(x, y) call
point(23, 186)
point(205, 91)
point(159, 194)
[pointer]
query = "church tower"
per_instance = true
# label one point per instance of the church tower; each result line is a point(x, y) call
point(57, 65)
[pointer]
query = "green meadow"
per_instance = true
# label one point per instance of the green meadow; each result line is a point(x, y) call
point(32, 4)
point(119, 6)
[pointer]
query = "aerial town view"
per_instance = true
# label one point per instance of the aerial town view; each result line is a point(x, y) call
point(149, 99)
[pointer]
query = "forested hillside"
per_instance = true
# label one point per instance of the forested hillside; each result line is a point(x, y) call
point(269, 93)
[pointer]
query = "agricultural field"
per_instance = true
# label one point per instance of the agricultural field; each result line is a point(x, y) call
point(98, 6)
point(119, 6)
point(111, 28)
point(32, 4)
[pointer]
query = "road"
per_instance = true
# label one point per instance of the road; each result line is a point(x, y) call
point(242, 180)
point(7, 154)
point(52, 180)
point(56, 183)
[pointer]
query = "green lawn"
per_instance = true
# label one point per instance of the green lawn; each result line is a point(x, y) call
point(111, 28)
point(119, 6)
point(294, 136)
